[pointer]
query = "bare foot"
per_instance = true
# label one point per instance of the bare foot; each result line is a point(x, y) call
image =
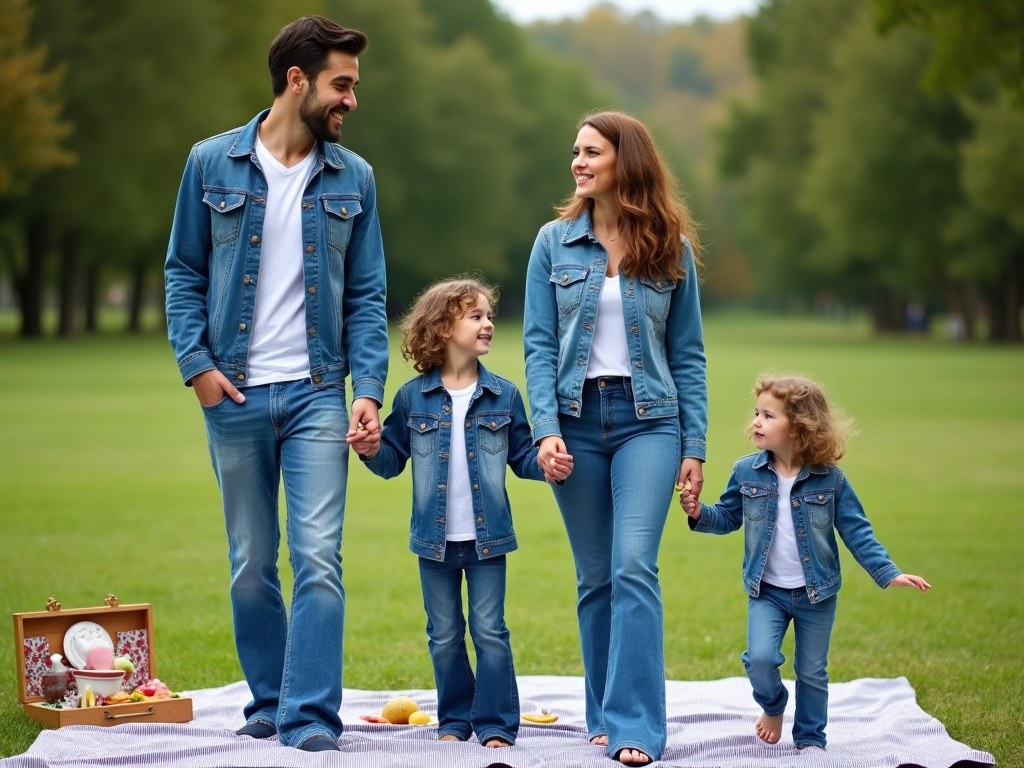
point(449, 737)
point(600, 740)
point(632, 757)
point(496, 743)
point(769, 728)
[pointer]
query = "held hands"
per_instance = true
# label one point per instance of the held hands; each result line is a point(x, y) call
point(906, 580)
point(213, 386)
point(364, 429)
point(553, 459)
point(689, 485)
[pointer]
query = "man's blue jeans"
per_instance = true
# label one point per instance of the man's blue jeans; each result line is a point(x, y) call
point(488, 704)
point(768, 617)
point(614, 505)
point(292, 666)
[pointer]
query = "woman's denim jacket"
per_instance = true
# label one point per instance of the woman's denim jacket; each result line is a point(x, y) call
point(213, 264)
point(663, 332)
point(497, 433)
point(822, 502)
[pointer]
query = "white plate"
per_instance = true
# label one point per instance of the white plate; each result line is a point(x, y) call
point(80, 638)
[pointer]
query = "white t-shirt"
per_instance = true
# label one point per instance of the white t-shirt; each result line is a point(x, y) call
point(609, 353)
point(782, 568)
point(277, 350)
point(459, 521)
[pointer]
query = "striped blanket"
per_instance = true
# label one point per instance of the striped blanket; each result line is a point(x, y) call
point(873, 723)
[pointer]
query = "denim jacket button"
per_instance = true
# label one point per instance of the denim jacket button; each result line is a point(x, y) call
point(241, 326)
point(344, 211)
point(318, 378)
point(602, 383)
point(239, 376)
point(469, 424)
point(423, 425)
point(312, 331)
point(821, 498)
point(310, 249)
point(807, 559)
point(246, 280)
point(572, 406)
point(494, 424)
point(472, 455)
point(486, 550)
point(634, 329)
point(565, 277)
point(796, 503)
point(479, 519)
point(437, 555)
point(639, 366)
point(312, 289)
point(223, 204)
point(642, 411)
point(440, 487)
point(753, 491)
point(254, 239)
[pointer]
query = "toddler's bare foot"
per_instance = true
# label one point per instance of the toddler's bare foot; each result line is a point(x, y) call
point(496, 743)
point(769, 728)
point(600, 741)
point(629, 756)
point(449, 737)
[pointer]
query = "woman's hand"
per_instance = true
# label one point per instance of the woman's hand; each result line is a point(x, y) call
point(906, 580)
point(692, 470)
point(553, 459)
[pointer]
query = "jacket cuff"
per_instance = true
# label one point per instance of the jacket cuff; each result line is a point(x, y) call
point(703, 525)
point(370, 388)
point(194, 364)
point(545, 428)
point(695, 448)
point(887, 574)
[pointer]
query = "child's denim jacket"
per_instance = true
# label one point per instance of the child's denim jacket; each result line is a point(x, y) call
point(822, 502)
point(497, 433)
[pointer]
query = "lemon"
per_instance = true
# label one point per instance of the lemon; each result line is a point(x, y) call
point(397, 710)
point(419, 718)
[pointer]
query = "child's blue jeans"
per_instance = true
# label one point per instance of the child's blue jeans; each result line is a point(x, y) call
point(488, 704)
point(768, 618)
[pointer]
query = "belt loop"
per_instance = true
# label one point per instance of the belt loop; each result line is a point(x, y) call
point(627, 384)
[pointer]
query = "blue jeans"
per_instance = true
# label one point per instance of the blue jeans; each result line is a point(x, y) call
point(488, 704)
point(614, 505)
point(292, 666)
point(768, 617)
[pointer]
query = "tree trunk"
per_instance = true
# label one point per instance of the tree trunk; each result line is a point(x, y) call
point(30, 286)
point(92, 291)
point(1006, 298)
point(884, 310)
point(68, 284)
point(960, 304)
point(138, 289)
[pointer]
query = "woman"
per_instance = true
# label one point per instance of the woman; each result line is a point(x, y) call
point(615, 372)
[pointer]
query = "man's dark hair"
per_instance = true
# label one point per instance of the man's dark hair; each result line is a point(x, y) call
point(306, 43)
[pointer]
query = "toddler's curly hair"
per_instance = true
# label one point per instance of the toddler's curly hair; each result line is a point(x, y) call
point(432, 318)
point(820, 432)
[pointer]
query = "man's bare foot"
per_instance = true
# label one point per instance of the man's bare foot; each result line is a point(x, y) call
point(449, 737)
point(632, 757)
point(769, 728)
point(496, 743)
point(600, 741)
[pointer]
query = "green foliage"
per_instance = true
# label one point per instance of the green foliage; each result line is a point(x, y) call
point(107, 487)
point(32, 132)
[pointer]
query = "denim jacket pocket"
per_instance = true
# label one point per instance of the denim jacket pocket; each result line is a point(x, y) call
point(820, 508)
point(569, 281)
point(423, 437)
point(492, 429)
point(341, 210)
point(755, 496)
point(228, 204)
point(657, 297)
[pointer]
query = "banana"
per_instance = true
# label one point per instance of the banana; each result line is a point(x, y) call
point(89, 699)
point(544, 718)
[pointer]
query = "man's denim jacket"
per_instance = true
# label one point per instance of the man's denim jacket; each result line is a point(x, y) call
point(213, 264)
point(822, 502)
point(663, 333)
point(497, 433)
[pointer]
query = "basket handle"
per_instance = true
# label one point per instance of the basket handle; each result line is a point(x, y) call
point(108, 716)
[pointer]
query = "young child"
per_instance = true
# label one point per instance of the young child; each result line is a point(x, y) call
point(792, 499)
point(460, 424)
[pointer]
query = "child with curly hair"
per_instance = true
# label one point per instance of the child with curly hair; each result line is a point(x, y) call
point(792, 499)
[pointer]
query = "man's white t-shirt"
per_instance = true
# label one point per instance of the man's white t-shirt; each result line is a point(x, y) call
point(277, 350)
point(609, 353)
point(782, 568)
point(459, 521)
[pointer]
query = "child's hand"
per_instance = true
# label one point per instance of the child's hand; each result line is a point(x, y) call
point(365, 442)
point(558, 467)
point(690, 504)
point(906, 580)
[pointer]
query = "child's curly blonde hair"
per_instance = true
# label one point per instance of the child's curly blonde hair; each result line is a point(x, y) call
point(432, 318)
point(819, 432)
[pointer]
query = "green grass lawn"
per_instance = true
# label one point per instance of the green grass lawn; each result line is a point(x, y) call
point(106, 486)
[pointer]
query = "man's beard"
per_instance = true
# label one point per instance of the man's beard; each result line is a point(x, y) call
point(316, 119)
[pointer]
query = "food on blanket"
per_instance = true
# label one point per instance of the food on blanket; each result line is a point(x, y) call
point(397, 710)
point(118, 698)
point(419, 718)
point(375, 719)
point(543, 718)
point(123, 662)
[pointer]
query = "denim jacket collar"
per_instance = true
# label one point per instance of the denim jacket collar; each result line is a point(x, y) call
point(245, 145)
point(579, 228)
point(432, 380)
point(762, 459)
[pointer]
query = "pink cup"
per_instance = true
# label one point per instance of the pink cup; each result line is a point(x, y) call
point(99, 657)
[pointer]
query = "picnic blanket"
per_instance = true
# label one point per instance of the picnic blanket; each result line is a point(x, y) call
point(873, 723)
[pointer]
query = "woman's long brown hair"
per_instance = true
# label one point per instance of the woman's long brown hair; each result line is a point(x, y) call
point(653, 215)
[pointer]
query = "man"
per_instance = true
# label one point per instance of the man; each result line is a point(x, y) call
point(275, 289)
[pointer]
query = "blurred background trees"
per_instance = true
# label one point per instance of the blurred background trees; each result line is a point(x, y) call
point(845, 155)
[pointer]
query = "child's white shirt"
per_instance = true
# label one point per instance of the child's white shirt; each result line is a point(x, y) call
point(782, 568)
point(459, 520)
